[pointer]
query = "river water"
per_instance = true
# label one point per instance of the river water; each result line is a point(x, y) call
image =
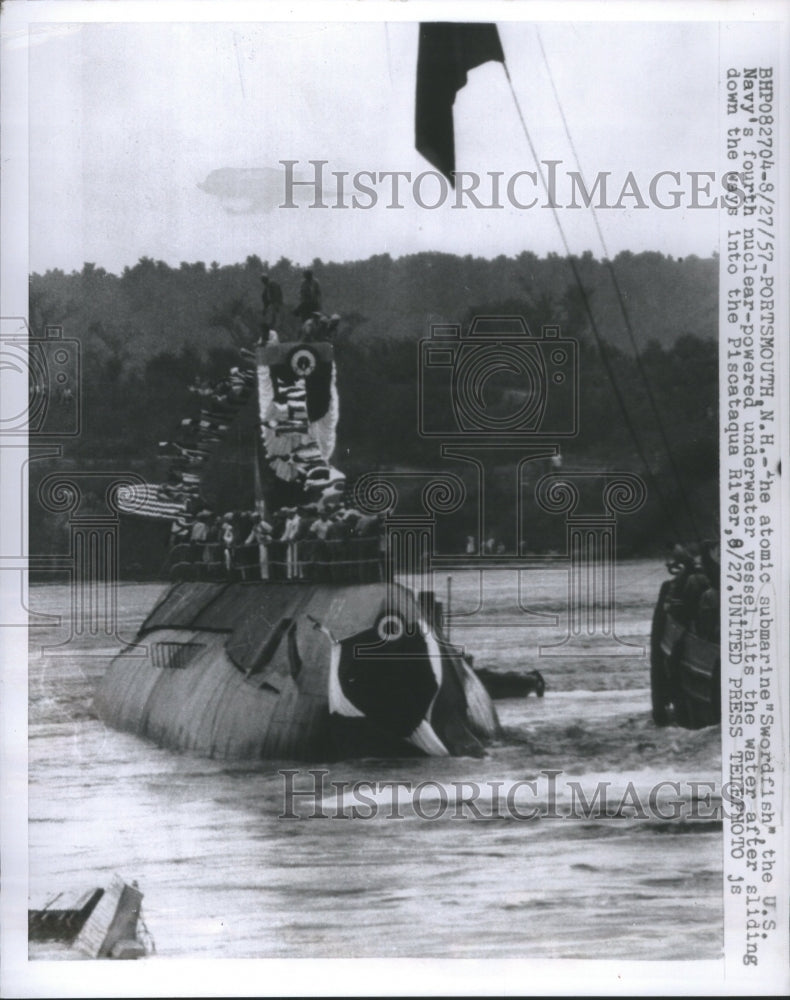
point(224, 876)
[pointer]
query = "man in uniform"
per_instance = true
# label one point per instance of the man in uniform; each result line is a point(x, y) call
point(309, 297)
point(272, 302)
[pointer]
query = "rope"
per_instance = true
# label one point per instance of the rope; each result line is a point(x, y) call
point(593, 325)
point(623, 309)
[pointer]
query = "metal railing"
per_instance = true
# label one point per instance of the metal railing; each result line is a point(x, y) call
point(346, 560)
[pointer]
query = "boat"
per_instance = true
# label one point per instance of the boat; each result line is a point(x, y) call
point(283, 646)
point(685, 653)
point(101, 923)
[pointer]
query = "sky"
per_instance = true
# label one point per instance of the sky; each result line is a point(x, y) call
point(165, 139)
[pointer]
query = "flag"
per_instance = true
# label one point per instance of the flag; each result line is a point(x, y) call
point(446, 53)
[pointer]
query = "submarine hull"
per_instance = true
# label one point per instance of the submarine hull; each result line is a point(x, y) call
point(265, 671)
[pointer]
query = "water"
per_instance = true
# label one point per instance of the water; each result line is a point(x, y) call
point(224, 877)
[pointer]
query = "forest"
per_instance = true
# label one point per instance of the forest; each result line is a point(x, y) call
point(647, 368)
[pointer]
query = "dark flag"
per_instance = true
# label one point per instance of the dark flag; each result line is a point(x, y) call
point(446, 54)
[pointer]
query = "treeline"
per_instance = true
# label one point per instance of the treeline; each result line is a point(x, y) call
point(658, 419)
point(152, 307)
point(147, 334)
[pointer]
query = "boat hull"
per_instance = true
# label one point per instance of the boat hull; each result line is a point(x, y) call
point(295, 671)
point(685, 670)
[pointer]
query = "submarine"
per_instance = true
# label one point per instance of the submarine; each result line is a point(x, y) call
point(290, 644)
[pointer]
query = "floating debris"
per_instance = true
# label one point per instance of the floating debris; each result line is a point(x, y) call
point(102, 923)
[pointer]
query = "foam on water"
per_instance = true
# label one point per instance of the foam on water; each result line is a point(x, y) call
point(224, 876)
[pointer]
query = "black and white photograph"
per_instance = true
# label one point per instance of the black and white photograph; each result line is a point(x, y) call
point(393, 560)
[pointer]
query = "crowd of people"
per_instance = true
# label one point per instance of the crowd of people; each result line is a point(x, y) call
point(324, 537)
point(320, 542)
point(188, 453)
point(694, 591)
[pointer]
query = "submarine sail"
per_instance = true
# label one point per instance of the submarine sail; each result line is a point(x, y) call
point(295, 642)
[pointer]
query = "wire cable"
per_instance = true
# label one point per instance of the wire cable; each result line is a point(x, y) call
point(623, 309)
point(593, 325)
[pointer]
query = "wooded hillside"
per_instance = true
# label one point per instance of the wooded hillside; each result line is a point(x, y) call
point(146, 334)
